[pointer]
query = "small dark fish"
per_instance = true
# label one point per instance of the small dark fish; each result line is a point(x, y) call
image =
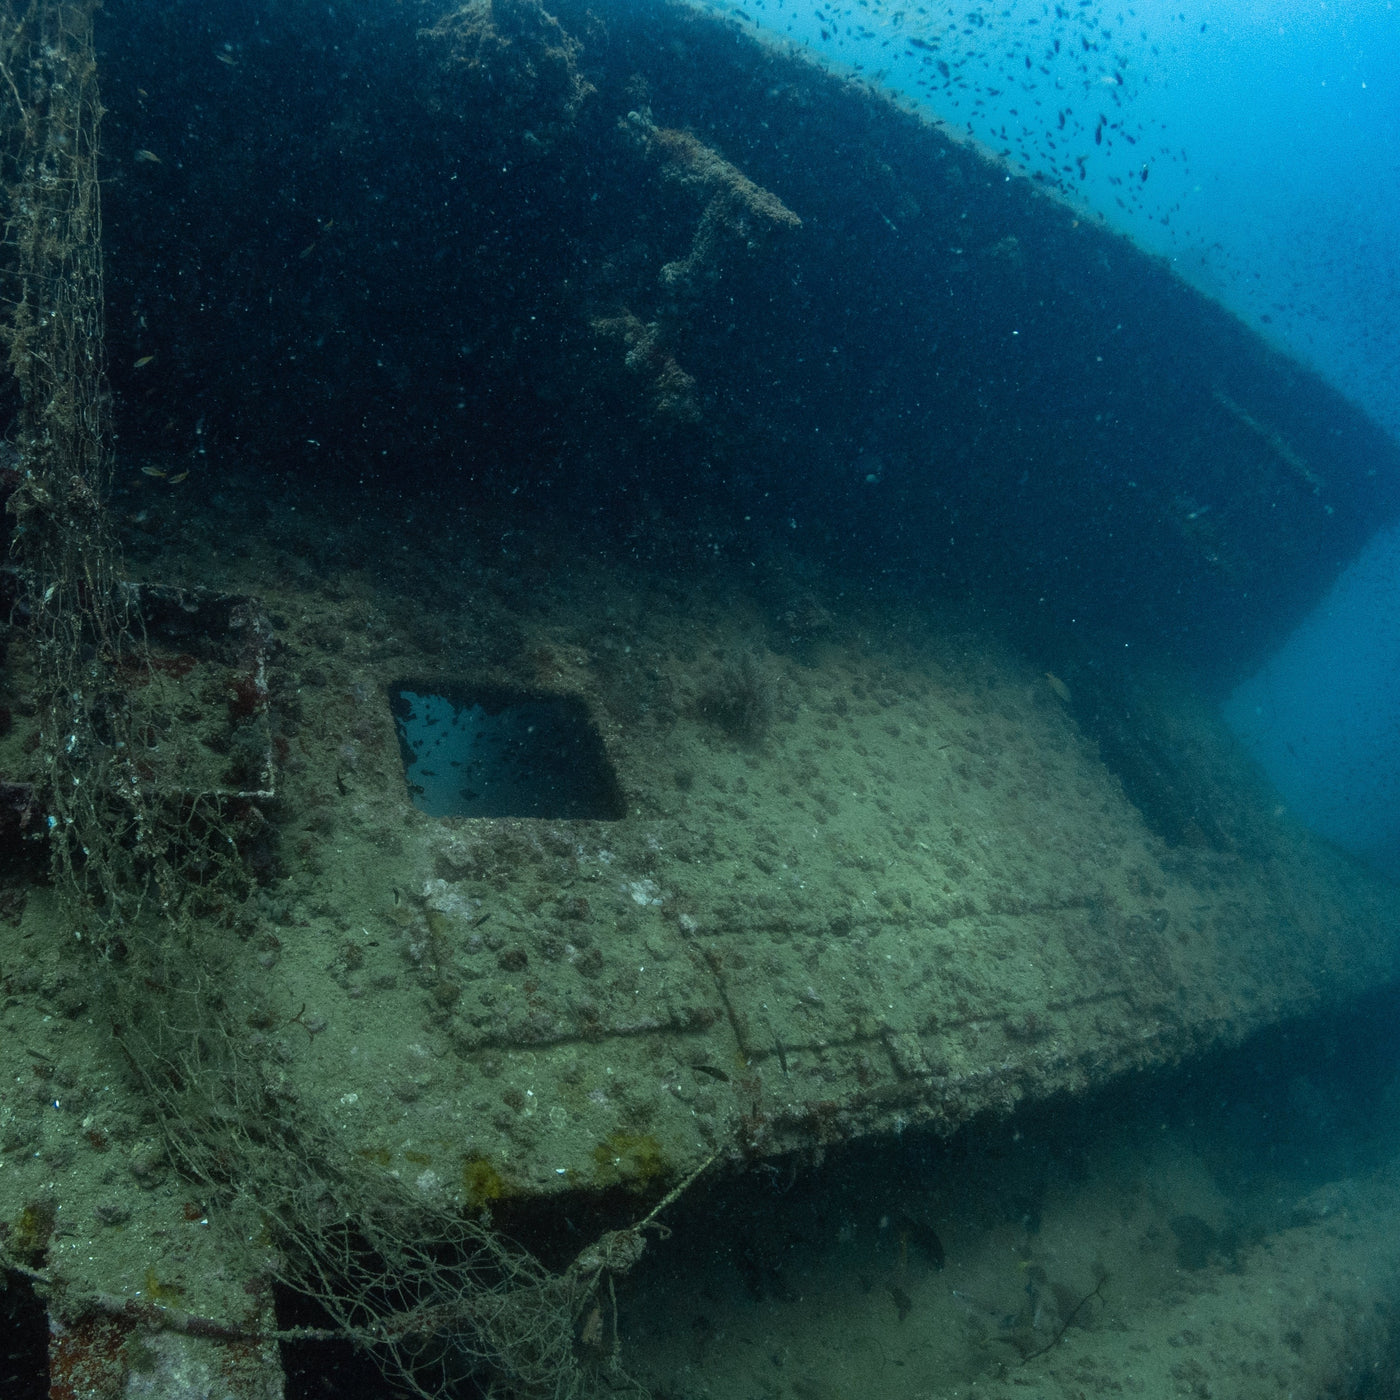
point(923, 1237)
point(903, 1303)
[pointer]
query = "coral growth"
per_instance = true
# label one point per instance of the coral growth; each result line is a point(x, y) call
point(738, 700)
point(737, 213)
point(736, 216)
point(512, 62)
point(673, 390)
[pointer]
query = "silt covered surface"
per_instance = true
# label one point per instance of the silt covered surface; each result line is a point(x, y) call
point(868, 879)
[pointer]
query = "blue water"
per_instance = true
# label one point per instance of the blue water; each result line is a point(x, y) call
point(1322, 716)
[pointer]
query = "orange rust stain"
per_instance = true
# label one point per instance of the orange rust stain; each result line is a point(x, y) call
point(85, 1359)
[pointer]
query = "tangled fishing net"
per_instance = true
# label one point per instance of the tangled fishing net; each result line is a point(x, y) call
point(148, 874)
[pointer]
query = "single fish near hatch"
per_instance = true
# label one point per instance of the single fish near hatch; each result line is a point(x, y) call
point(142, 362)
point(145, 157)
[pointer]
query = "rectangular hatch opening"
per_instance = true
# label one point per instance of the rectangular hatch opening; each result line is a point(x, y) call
point(490, 751)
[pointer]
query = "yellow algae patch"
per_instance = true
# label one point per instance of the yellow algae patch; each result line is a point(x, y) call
point(629, 1159)
point(158, 1292)
point(481, 1182)
point(32, 1231)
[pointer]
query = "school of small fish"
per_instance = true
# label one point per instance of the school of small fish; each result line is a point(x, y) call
point(1047, 86)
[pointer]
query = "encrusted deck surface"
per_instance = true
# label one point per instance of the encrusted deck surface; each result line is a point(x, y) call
point(873, 873)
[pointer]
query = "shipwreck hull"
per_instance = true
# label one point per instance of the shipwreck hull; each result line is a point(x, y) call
point(877, 673)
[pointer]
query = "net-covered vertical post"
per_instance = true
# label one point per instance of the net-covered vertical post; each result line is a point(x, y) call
point(53, 226)
point(51, 262)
